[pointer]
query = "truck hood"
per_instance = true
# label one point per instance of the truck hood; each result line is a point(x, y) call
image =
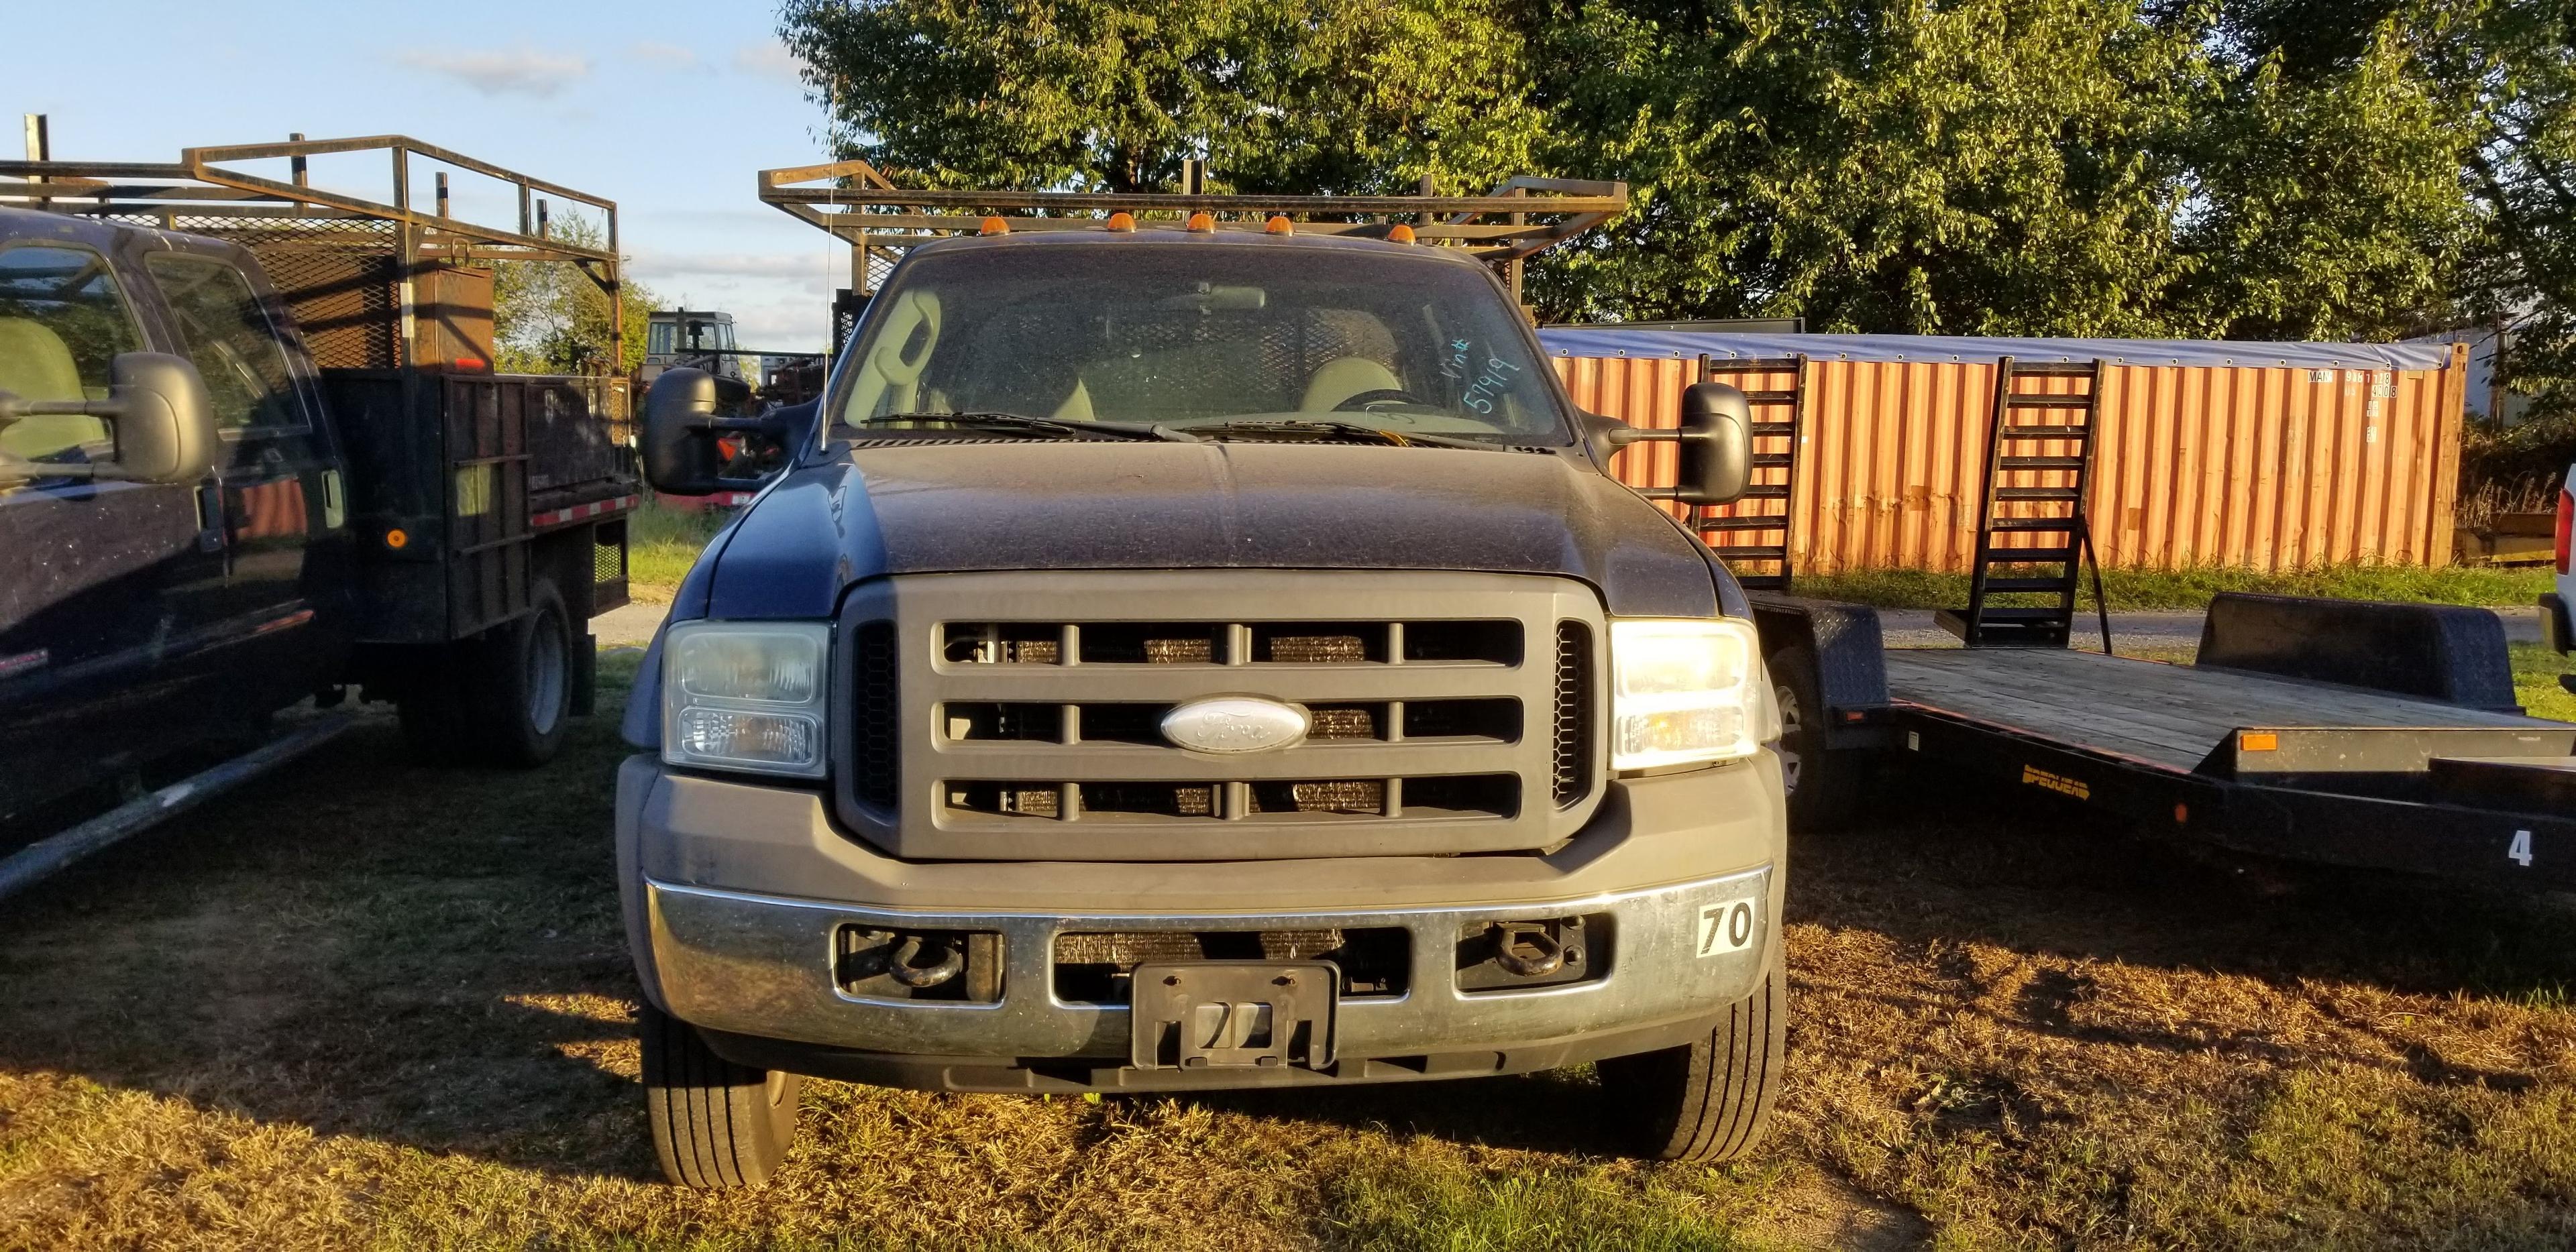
point(955, 506)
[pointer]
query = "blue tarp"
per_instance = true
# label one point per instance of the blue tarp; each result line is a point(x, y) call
point(1614, 341)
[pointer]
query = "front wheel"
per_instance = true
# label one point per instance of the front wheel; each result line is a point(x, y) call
point(1710, 1099)
point(715, 1124)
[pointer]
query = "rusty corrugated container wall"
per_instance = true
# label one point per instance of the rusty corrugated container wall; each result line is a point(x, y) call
point(2258, 464)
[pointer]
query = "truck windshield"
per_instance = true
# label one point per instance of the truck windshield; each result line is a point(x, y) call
point(1255, 337)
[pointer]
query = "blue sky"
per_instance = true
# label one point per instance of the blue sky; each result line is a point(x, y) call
point(665, 108)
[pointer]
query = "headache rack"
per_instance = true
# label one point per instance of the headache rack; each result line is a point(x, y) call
point(859, 205)
point(359, 274)
point(466, 485)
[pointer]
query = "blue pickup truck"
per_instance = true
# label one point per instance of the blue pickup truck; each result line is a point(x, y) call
point(267, 458)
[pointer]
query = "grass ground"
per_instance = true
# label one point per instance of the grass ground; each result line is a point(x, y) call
point(661, 544)
point(2192, 588)
point(369, 1003)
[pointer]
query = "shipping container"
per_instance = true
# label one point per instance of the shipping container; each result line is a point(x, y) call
point(2259, 455)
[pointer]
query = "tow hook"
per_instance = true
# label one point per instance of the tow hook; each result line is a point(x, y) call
point(901, 964)
point(1527, 950)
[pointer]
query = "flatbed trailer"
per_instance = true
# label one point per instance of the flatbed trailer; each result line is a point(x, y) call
point(2375, 736)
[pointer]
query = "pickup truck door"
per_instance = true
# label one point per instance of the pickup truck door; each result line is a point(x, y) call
point(92, 574)
point(271, 631)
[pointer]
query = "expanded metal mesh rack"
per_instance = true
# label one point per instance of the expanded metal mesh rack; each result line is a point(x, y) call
point(348, 266)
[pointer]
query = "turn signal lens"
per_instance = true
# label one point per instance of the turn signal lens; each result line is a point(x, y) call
point(995, 224)
point(1399, 233)
point(1203, 223)
point(1279, 225)
point(397, 539)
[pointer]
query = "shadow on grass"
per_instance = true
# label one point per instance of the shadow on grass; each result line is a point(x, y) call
point(1553, 1111)
point(2058, 879)
point(360, 945)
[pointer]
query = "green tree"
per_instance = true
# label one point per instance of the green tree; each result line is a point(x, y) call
point(549, 318)
point(1278, 95)
point(2256, 168)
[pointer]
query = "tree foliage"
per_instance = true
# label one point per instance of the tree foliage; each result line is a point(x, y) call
point(2207, 168)
point(1306, 95)
point(549, 318)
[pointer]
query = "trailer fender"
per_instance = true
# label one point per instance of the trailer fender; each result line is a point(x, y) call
point(1851, 672)
point(2431, 651)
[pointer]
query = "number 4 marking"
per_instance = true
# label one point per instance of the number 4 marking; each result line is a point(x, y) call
point(2521, 849)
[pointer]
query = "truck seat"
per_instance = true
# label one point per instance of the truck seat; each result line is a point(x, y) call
point(36, 365)
point(1343, 377)
point(1076, 407)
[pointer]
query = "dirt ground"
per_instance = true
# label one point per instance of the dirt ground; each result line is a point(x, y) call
point(374, 1003)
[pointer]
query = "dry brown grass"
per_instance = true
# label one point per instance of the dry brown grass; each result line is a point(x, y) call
point(371, 1004)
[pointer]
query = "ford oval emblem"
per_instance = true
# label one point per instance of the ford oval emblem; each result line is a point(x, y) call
point(1235, 724)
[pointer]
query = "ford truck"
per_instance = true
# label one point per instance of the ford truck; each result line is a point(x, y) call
point(1199, 657)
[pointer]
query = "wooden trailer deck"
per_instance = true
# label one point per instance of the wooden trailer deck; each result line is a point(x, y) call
point(2166, 715)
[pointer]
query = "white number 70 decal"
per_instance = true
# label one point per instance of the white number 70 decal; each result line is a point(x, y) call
point(1725, 928)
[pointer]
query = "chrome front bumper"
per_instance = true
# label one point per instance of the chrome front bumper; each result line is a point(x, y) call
point(762, 966)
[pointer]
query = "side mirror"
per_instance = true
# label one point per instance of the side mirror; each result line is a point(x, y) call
point(1717, 444)
point(681, 427)
point(1716, 438)
point(158, 408)
point(165, 432)
point(680, 456)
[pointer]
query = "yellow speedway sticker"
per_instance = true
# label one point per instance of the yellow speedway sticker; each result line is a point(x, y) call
point(2059, 783)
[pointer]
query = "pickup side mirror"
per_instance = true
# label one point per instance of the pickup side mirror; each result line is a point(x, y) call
point(680, 456)
point(163, 420)
point(682, 427)
point(1716, 438)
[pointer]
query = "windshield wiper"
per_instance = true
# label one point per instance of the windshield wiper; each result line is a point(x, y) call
point(1022, 421)
point(1354, 430)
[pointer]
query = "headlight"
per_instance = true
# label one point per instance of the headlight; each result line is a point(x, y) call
point(1686, 691)
point(745, 696)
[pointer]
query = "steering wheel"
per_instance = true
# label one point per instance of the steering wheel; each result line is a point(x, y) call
point(1361, 400)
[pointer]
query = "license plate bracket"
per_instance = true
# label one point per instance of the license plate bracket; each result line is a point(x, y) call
point(1233, 1014)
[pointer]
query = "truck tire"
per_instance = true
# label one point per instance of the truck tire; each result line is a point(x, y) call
point(1824, 786)
point(715, 1124)
point(521, 694)
point(1708, 1100)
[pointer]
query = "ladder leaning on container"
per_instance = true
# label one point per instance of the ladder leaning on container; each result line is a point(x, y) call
point(2038, 497)
point(1778, 415)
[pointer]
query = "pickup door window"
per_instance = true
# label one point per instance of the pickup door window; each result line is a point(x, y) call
point(62, 321)
point(233, 343)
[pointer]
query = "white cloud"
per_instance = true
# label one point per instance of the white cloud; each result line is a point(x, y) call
point(668, 56)
point(769, 60)
point(522, 72)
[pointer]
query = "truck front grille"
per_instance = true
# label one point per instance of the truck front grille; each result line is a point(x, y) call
point(1019, 715)
point(1573, 726)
